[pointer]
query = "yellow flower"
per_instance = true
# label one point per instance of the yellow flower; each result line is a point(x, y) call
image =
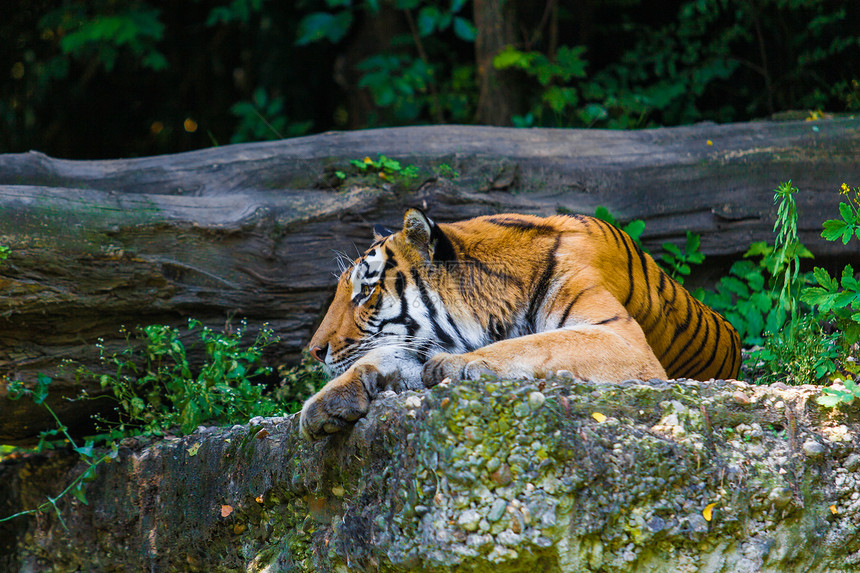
point(845, 189)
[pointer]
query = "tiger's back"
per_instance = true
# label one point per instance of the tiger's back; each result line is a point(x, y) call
point(688, 338)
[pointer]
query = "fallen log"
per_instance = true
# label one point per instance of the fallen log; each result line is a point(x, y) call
point(248, 231)
point(549, 476)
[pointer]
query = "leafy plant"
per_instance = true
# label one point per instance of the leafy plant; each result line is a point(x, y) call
point(263, 118)
point(156, 388)
point(446, 171)
point(840, 305)
point(788, 259)
point(833, 396)
point(383, 168)
point(49, 439)
point(300, 382)
point(677, 261)
point(133, 27)
point(553, 75)
point(742, 297)
point(849, 225)
point(811, 355)
point(415, 77)
point(4, 252)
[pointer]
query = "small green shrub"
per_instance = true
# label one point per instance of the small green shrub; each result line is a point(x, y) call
point(156, 389)
point(677, 261)
point(842, 306)
point(809, 356)
point(263, 118)
point(59, 436)
point(300, 382)
point(382, 170)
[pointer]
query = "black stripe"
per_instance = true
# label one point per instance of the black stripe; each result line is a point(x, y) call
point(443, 250)
point(570, 306)
point(713, 355)
point(687, 341)
point(723, 363)
point(400, 284)
point(644, 262)
point(540, 291)
point(687, 369)
point(608, 320)
point(456, 329)
point(679, 329)
point(521, 224)
point(736, 354)
point(629, 274)
point(440, 333)
point(613, 230)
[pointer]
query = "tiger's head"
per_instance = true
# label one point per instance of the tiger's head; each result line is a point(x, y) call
point(398, 294)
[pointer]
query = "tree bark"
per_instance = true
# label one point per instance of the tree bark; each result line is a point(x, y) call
point(248, 231)
point(500, 92)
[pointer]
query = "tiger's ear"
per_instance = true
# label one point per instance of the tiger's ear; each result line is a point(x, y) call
point(380, 232)
point(418, 229)
point(423, 234)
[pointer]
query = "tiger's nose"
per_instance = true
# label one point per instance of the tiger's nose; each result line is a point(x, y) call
point(319, 352)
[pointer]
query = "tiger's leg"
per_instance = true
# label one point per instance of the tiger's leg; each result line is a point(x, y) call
point(600, 342)
point(347, 397)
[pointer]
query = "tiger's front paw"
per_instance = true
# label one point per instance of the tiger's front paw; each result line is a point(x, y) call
point(340, 403)
point(456, 367)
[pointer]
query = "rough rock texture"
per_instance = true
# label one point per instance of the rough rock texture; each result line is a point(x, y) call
point(504, 476)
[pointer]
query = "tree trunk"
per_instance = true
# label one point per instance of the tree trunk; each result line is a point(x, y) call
point(248, 231)
point(500, 92)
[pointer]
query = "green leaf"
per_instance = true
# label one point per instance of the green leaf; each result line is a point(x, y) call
point(635, 228)
point(78, 493)
point(834, 229)
point(322, 25)
point(673, 249)
point(829, 399)
point(40, 393)
point(510, 57)
point(603, 214)
point(759, 248)
point(735, 286)
point(428, 20)
point(570, 62)
point(464, 29)
point(847, 212)
point(85, 451)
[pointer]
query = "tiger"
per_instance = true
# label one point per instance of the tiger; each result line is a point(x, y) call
point(507, 295)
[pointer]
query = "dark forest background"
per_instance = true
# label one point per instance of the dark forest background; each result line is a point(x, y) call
point(121, 78)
